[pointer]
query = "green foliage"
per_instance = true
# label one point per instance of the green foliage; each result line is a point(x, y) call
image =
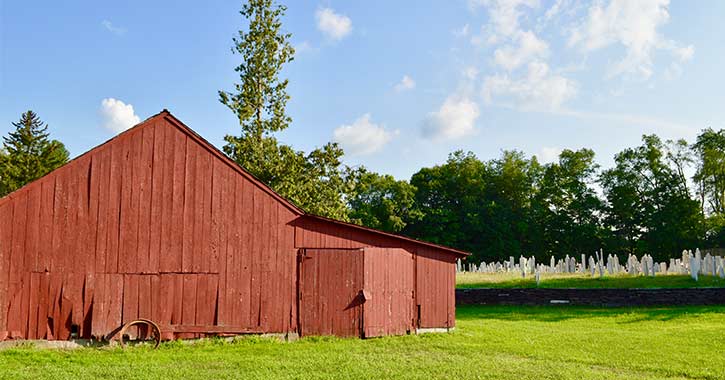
point(481, 207)
point(566, 207)
point(451, 197)
point(715, 230)
point(381, 202)
point(710, 175)
point(489, 342)
point(28, 153)
point(261, 97)
point(649, 208)
point(316, 181)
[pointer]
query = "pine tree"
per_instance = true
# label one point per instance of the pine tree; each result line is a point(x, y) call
point(28, 153)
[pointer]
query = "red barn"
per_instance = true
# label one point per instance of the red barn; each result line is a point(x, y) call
point(158, 224)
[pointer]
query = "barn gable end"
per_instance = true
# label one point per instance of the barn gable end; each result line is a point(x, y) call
point(150, 220)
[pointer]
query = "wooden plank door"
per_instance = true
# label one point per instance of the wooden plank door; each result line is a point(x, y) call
point(330, 284)
point(389, 285)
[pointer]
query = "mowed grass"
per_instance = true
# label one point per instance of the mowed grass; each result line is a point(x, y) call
point(584, 281)
point(489, 343)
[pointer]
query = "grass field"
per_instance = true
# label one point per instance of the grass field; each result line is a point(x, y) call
point(514, 280)
point(489, 343)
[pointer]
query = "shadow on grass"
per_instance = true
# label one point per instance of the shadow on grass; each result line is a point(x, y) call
point(561, 313)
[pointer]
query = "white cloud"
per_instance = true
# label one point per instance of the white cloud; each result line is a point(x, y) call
point(119, 31)
point(525, 79)
point(634, 25)
point(549, 154)
point(407, 83)
point(456, 118)
point(117, 116)
point(334, 25)
point(529, 47)
point(362, 136)
point(539, 89)
point(504, 16)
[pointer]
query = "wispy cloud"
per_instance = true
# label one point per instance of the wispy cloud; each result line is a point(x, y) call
point(539, 89)
point(407, 83)
point(332, 24)
point(117, 30)
point(634, 25)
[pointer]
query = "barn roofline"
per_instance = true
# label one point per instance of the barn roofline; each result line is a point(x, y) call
point(173, 120)
point(231, 163)
point(453, 251)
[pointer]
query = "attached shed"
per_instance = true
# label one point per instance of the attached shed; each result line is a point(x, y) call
point(158, 224)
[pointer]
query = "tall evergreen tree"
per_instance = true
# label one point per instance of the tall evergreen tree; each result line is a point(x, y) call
point(28, 153)
point(315, 181)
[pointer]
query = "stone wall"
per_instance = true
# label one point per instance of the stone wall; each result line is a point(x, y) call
point(591, 297)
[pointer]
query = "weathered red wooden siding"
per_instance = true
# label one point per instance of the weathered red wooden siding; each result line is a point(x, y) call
point(330, 282)
point(434, 273)
point(389, 284)
point(154, 224)
point(435, 288)
point(158, 224)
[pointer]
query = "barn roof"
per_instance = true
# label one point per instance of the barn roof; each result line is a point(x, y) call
point(166, 115)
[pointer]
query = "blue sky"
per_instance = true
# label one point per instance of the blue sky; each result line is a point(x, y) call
point(399, 84)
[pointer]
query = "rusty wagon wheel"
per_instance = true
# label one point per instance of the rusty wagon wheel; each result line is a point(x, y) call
point(155, 330)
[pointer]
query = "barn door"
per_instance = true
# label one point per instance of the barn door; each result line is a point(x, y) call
point(330, 301)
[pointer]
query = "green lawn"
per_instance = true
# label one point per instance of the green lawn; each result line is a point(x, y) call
point(489, 343)
point(511, 280)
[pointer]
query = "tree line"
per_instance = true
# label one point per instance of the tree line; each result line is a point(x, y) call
point(507, 206)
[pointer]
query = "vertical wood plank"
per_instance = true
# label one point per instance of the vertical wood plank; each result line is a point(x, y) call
point(6, 233)
point(130, 297)
point(17, 316)
point(189, 206)
point(199, 211)
point(115, 204)
point(178, 202)
point(102, 172)
point(128, 219)
point(45, 240)
point(145, 224)
point(144, 296)
point(100, 305)
point(32, 242)
point(41, 325)
point(158, 197)
point(115, 302)
point(89, 285)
